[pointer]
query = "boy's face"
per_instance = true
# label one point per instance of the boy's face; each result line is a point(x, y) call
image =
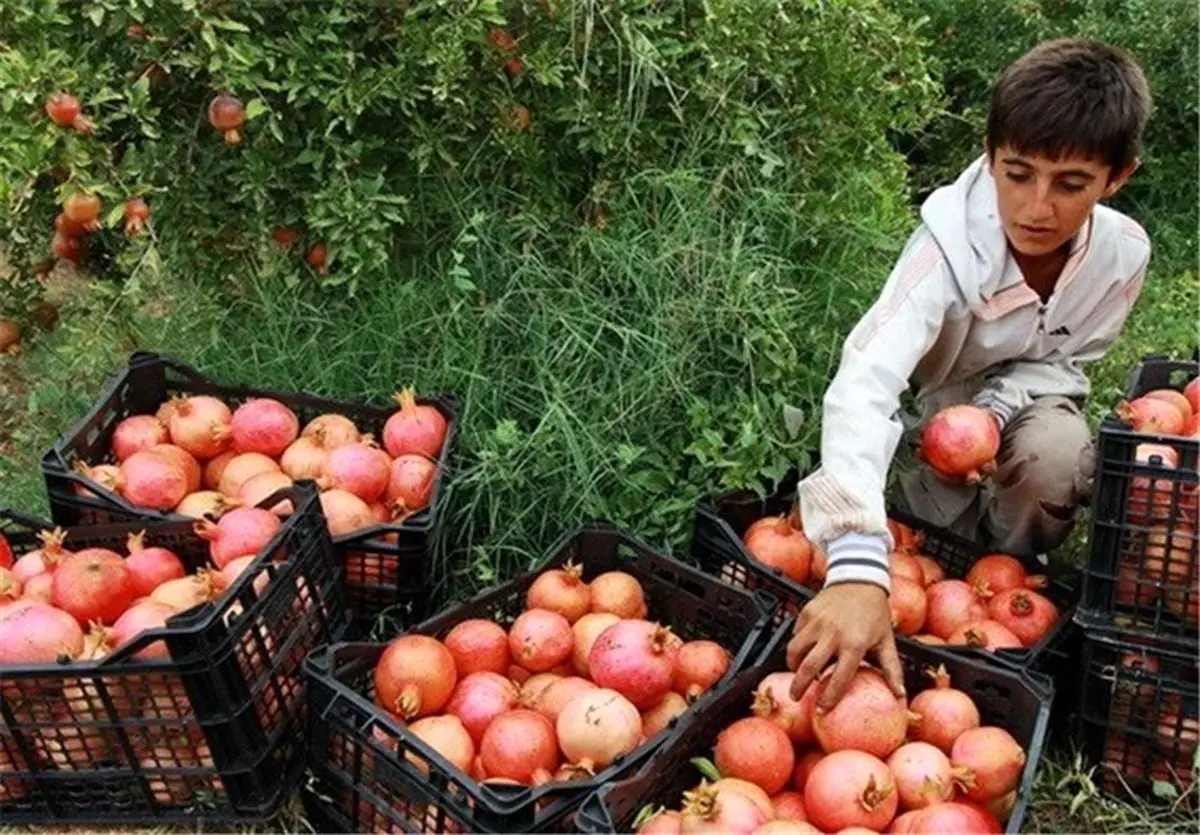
point(1044, 202)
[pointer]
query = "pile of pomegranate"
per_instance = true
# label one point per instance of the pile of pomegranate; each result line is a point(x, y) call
point(997, 605)
point(579, 679)
point(874, 763)
point(200, 457)
point(1165, 411)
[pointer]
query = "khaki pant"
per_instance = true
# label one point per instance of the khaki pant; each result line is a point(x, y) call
point(1043, 475)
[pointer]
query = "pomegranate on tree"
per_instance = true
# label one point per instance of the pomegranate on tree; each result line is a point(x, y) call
point(316, 258)
point(777, 544)
point(227, 114)
point(961, 441)
point(65, 110)
point(69, 249)
point(83, 208)
point(137, 212)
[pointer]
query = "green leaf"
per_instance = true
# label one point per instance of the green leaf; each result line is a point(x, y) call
point(254, 108)
point(793, 421)
point(115, 215)
point(1164, 790)
point(706, 768)
point(230, 25)
point(96, 15)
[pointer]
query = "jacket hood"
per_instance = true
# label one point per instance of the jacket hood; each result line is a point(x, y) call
point(964, 220)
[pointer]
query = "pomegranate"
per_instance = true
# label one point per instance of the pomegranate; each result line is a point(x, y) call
point(137, 433)
point(933, 573)
point(552, 698)
point(789, 806)
point(1001, 807)
point(447, 736)
point(265, 426)
point(150, 567)
point(136, 215)
point(989, 762)
point(41, 560)
point(773, 700)
point(107, 476)
point(478, 646)
point(226, 114)
point(637, 659)
point(415, 429)
point(596, 727)
point(192, 472)
point(200, 425)
point(902, 825)
point(804, 767)
point(949, 605)
point(961, 441)
point(540, 639)
point(92, 585)
point(777, 544)
point(37, 633)
point(65, 110)
point(410, 483)
point(205, 504)
point(186, 592)
point(215, 469)
point(345, 513)
point(659, 717)
point(908, 605)
point(561, 590)
point(906, 566)
point(1175, 398)
point(10, 585)
point(358, 468)
point(479, 698)
point(698, 666)
point(1026, 614)
point(532, 687)
point(331, 431)
point(1191, 393)
point(153, 481)
point(6, 552)
point(665, 822)
point(241, 468)
point(234, 569)
point(74, 250)
point(727, 785)
point(1151, 416)
point(732, 814)
point(84, 209)
point(305, 457)
point(586, 630)
point(257, 489)
point(868, 717)
point(985, 634)
point(904, 538)
point(38, 587)
point(850, 788)
point(415, 677)
point(620, 594)
point(756, 750)
point(923, 775)
point(1000, 572)
point(241, 532)
point(68, 228)
point(953, 819)
point(517, 744)
point(138, 618)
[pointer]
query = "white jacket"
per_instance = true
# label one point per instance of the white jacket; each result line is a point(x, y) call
point(957, 319)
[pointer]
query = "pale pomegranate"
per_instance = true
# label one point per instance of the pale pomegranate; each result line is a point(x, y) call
point(478, 646)
point(561, 590)
point(989, 762)
point(149, 567)
point(868, 717)
point(214, 469)
point(257, 489)
point(1175, 398)
point(37, 633)
point(666, 822)
point(410, 483)
point(698, 666)
point(92, 585)
point(517, 744)
point(1000, 572)
point(933, 573)
point(620, 594)
point(596, 727)
point(732, 814)
point(659, 717)
point(138, 618)
point(331, 431)
point(186, 592)
point(1026, 614)
point(414, 429)
point(850, 788)
point(41, 560)
point(949, 605)
point(205, 504)
point(234, 569)
point(264, 426)
point(773, 700)
point(1152, 416)
point(984, 634)
point(38, 587)
point(540, 640)
point(908, 604)
point(760, 798)
point(447, 736)
point(756, 750)
point(305, 457)
point(906, 566)
point(241, 468)
point(586, 630)
point(107, 476)
point(954, 819)
point(533, 685)
point(361, 469)
point(241, 532)
point(192, 471)
point(777, 544)
point(153, 481)
point(201, 425)
point(10, 585)
point(415, 677)
point(637, 659)
point(137, 433)
point(345, 512)
point(923, 775)
point(961, 441)
point(551, 700)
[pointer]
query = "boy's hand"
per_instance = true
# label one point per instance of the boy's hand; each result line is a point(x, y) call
point(848, 621)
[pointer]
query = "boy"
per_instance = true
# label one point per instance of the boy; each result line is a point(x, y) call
point(1015, 278)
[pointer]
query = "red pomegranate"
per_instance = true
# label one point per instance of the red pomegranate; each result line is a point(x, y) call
point(1152, 416)
point(153, 481)
point(731, 814)
point(989, 760)
point(868, 717)
point(359, 468)
point(1175, 398)
point(961, 441)
point(1026, 614)
point(227, 114)
point(949, 605)
point(479, 698)
point(37, 633)
point(637, 659)
point(758, 751)
point(150, 567)
point(410, 484)
point(241, 532)
point(698, 666)
point(540, 640)
point(137, 433)
point(923, 775)
point(138, 618)
point(985, 634)
point(850, 788)
point(517, 744)
point(415, 677)
point(777, 544)
point(908, 605)
point(954, 819)
point(264, 426)
point(41, 560)
point(92, 585)
point(415, 429)
point(586, 630)
point(478, 646)
point(773, 700)
point(995, 573)
point(200, 425)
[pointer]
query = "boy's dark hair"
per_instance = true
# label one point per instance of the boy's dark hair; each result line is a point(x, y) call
point(1071, 96)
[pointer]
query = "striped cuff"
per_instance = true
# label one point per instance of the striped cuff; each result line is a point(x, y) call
point(991, 402)
point(859, 558)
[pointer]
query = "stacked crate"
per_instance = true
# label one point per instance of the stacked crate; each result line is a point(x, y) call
point(1140, 601)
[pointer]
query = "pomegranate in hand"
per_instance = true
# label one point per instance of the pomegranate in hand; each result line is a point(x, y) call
point(961, 442)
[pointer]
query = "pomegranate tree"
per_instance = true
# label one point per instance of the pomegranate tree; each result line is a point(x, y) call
point(961, 442)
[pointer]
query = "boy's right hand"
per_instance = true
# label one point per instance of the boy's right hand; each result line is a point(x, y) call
point(848, 621)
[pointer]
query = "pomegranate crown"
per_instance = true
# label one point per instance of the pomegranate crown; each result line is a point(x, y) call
point(406, 399)
point(940, 676)
point(135, 542)
point(53, 540)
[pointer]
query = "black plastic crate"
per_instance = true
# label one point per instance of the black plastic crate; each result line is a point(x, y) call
point(357, 752)
point(1137, 717)
point(1016, 700)
point(717, 546)
point(215, 732)
point(387, 566)
point(1138, 508)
